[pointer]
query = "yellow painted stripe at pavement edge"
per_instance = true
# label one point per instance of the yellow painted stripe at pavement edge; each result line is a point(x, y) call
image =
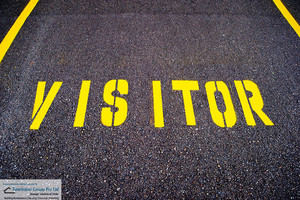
point(288, 16)
point(12, 33)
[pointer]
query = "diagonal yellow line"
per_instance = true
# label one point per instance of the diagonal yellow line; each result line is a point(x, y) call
point(12, 33)
point(288, 16)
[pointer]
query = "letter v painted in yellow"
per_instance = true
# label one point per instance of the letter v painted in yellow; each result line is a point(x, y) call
point(41, 107)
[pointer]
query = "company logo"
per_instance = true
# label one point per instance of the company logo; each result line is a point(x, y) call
point(8, 190)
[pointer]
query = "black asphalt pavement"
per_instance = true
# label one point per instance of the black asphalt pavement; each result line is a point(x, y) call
point(204, 41)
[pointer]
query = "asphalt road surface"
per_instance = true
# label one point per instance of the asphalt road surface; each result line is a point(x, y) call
point(181, 124)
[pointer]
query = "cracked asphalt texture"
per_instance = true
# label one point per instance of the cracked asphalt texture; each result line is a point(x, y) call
point(142, 41)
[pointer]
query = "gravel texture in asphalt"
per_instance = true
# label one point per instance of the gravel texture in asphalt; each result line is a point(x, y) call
point(142, 41)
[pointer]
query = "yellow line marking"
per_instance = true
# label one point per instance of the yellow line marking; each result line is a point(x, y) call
point(12, 33)
point(186, 87)
point(82, 103)
point(157, 104)
point(46, 104)
point(39, 97)
point(288, 16)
